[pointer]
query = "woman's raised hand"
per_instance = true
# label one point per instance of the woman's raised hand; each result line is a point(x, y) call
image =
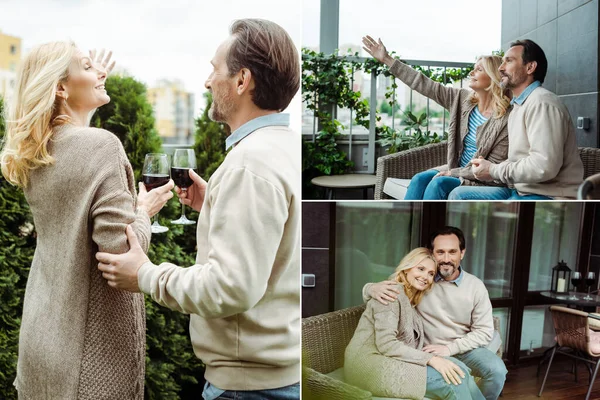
point(100, 59)
point(377, 50)
point(449, 371)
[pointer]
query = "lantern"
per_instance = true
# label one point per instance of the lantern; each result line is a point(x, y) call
point(561, 276)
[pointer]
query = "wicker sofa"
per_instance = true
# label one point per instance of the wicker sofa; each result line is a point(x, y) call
point(405, 164)
point(324, 340)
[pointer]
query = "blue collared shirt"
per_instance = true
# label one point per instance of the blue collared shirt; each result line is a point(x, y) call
point(523, 96)
point(276, 119)
point(211, 392)
point(457, 281)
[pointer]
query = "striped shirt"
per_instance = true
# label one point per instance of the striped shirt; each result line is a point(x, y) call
point(470, 143)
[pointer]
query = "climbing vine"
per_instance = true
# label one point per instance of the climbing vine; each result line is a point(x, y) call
point(327, 83)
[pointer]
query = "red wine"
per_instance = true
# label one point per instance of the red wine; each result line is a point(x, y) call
point(152, 181)
point(576, 282)
point(589, 282)
point(181, 177)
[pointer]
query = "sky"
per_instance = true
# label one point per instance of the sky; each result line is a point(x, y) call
point(150, 39)
point(441, 30)
point(176, 39)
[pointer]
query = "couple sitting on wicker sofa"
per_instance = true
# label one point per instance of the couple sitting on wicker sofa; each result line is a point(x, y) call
point(400, 352)
point(498, 148)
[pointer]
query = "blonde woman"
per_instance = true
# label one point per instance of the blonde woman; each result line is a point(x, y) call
point(385, 354)
point(79, 338)
point(478, 122)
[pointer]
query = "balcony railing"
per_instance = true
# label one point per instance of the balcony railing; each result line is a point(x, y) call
point(350, 138)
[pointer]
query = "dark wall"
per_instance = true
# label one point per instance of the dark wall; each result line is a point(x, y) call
point(318, 248)
point(567, 30)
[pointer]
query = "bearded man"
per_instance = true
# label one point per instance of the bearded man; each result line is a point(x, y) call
point(543, 159)
point(457, 313)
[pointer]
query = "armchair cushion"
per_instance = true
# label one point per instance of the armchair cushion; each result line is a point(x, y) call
point(396, 187)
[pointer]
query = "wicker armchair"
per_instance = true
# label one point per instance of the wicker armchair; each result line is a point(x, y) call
point(407, 163)
point(572, 331)
point(324, 341)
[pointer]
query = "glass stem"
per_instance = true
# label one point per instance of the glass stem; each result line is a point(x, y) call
point(183, 205)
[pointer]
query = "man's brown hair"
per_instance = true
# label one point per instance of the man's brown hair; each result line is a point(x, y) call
point(268, 52)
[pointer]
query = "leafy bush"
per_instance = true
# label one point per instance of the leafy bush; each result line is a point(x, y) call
point(398, 140)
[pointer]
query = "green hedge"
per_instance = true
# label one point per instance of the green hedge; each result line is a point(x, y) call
point(172, 369)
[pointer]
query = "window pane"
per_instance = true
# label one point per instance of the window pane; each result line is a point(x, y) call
point(371, 239)
point(489, 230)
point(503, 314)
point(555, 238)
point(538, 330)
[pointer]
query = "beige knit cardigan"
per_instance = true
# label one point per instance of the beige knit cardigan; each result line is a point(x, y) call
point(384, 356)
point(491, 136)
point(79, 338)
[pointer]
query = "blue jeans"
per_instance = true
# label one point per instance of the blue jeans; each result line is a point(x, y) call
point(437, 388)
point(489, 367)
point(491, 193)
point(291, 392)
point(423, 186)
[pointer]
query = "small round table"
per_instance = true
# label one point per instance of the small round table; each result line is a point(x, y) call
point(580, 303)
point(345, 181)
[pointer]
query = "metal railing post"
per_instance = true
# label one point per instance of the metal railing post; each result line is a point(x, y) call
point(372, 122)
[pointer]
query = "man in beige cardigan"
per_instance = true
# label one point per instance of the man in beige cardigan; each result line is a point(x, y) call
point(543, 159)
point(243, 293)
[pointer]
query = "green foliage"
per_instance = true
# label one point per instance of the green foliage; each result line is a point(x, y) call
point(129, 116)
point(172, 369)
point(210, 142)
point(17, 243)
point(327, 83)
point(399, 140)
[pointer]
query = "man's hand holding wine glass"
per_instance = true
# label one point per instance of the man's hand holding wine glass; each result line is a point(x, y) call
point(194, 195)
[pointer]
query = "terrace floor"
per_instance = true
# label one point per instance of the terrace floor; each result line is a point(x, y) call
point(522, 383)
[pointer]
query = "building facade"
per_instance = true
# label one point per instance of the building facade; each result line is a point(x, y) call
point(174, 111)
point(10, 56)
point(568, 33)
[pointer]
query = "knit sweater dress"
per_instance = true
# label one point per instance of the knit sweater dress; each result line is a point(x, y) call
point(79, 338)
point(384, 356)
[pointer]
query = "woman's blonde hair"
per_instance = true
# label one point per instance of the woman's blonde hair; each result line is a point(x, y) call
point(33, 110)
point(412, 259)
point(500, 100)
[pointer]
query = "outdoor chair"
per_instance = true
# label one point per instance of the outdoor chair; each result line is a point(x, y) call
point(324, 341)
point(405, 164)
point(572, 331)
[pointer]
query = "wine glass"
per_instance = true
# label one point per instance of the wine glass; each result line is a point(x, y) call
point(154, 174)
point(576, 281)
point(183, 161)
point(590, 278)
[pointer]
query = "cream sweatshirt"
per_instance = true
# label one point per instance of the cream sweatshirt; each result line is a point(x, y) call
point(542, 155)
point(459, 317)
point(243, 292)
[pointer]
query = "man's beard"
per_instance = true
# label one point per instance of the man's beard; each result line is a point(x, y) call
point(505, 83)
point(221, 108)
point(447, 273)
